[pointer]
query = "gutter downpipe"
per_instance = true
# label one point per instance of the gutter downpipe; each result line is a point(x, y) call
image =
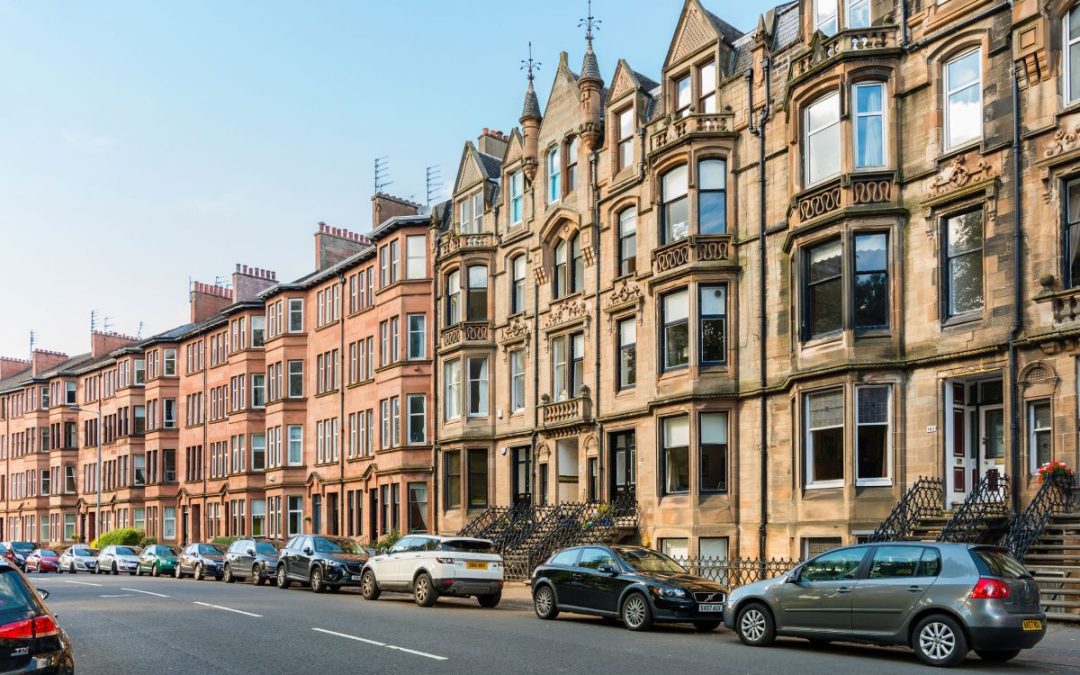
point(1018, 313)
point(341, 411)
point(593, 164)
point(435, 313)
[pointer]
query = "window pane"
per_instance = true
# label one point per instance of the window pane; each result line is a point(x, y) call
point(1074, 69)
point(869, 126)
point(714, 452)
point(826, 409)
point(892, 562)
point(858, 13)
point(712, 174)
point(675, 183)
point(628, 220)
point(963, 71)
point(824, 154)
point(871, 252)
point(676, 306)
point(676, 454)
point(965, 233)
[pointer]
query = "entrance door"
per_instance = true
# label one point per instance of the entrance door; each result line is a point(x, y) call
point(184, 527)
point(992, 442)
point(316, 514)
point(521, 475)
point(623, 461)
point(974, 435)
point(373, 514)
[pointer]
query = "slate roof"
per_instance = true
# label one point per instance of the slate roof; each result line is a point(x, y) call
point(728, 32)
point(531, 109)
point(590, 69)
point(491, 165)
point(785, 30)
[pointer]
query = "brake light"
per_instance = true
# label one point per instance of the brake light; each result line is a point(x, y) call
point(990, 589)
point(9, 554)
point(41, 626)
point(445, 561)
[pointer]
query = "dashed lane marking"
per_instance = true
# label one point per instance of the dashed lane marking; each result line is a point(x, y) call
point(228, 609)
point(382, 644)
point(80, 583)
point(135, 590)
point(117, 595)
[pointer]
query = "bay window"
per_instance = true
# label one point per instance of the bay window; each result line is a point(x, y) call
point(675, 210)
point(296, 379)
point(869, 132)
point(871, 283)
point(415, 257)
point(712, 196)
point(417, 336)
point(417, 411)
point(476, 309)
point(872, 443)
point(824, 289)
point(713, 457)
point(452, 378)
point(821, 139)
point(713, 324)
point(683, 97)
point(707, 88)
point(296, 315)
point(857, 13)
point(964, 263)
point(824, 438)
point(478, 386)
point(825, 16)
point(453, 298)
point(676, 337)
point(963, 99)
point(627, 241)
point(676, 455)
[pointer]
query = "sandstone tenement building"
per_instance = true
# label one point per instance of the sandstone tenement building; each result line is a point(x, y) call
point(760, 291)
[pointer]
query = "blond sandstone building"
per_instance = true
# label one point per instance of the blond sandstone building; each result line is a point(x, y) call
point(760, 292)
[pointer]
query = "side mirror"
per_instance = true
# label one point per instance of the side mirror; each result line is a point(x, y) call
point(307, 550)
point(43, 593)
point(251, 551)
point(794, 575)
point(608, 569)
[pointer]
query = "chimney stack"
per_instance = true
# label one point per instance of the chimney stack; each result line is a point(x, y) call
point(10, 367)
point(207, 300)
point(44, 360)
point(334, 244)
point(248, 282)
point(491, 142)
point(386, 206)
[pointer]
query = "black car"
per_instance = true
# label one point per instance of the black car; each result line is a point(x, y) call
point(31, 641)
point(321, 562)
point(253, 558)
point(16, 551)
point(638, 585)
point(201, 560)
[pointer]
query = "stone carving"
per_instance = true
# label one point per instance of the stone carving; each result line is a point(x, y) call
point(871, 191)
point(626, 292)
point(1065, 138)
point(819, 203)
point(515, 329)
point(567, 311)
point(694, 34)
point(957, 174)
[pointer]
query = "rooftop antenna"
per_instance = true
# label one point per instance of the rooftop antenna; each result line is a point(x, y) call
point(590, 23)
point(223, 282)
point(530, 65)
point(108, 323)
point(433, 182)
point(93, 320)
point(382, 172)
point(33, 341)
point(138, 333)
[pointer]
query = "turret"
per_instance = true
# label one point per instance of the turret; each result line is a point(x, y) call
point(590, 84)
point(530, 123)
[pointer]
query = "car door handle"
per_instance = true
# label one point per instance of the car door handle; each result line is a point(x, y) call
point(577, 576)
point(914, 589)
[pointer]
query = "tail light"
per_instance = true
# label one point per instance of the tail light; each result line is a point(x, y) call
point(444, 561)
point(9, 554)
point(39, 626)
point(990, 589)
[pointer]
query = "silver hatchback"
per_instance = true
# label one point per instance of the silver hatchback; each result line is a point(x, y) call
point(940, 599)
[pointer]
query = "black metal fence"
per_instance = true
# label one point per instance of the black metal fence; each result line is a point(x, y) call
point(734, 572)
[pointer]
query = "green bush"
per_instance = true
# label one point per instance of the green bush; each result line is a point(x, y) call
point(147, 541)
point(224, 542)
point(387, 540)
point(124, 536)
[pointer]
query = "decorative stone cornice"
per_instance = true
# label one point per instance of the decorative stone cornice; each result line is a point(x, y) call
point(963, 170)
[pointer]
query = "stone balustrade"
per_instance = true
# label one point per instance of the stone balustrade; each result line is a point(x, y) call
point(453, 243)
point(570, 411)
point(466, 331)
point(692, 124)
point(692, 249)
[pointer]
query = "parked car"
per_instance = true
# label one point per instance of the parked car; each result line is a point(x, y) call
point(253, 558)
point(157, 559)
point(31, 640)
point(43, 560)
point(201, 560)
point(321, 562)
point(637, 585)
point(117, 559)
point(79, 558)
point(939, 599)
point(430, 566)
point(16, 551)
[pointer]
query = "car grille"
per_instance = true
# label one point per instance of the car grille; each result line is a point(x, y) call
point(710, 596)
point(354, 568)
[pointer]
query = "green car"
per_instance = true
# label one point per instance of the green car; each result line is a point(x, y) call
point(157, 560)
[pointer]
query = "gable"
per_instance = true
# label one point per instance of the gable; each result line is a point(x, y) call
point(515, 149)
point(693, 33)
point(623, 82)
point(563, 89)
point(469, 172)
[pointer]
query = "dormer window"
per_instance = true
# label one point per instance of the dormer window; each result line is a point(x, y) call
point(626, 138)
point(682, 96)
point(554, 172)
point(707, 85)
point(471, 213)
point(827, 15)
point(517, 194)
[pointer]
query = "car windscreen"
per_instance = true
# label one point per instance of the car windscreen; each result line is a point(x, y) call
point(85, 551)
point(24, 547)
point(998, 563)
point(644, 560)
point(46, 553)
point(15, 594)
point(266, 548)
point(167, 550)
point(467, 546)
point(125, 550)
point(209, 549)
point(325, 545)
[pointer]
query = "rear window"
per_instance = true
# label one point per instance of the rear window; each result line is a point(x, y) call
point(125, 550)
point(15, 594)
point(467, 546)
point(998, 563)
point(266, 548)
point(23, 547)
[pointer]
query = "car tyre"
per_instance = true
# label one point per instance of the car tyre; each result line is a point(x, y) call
point(257, 577)
point(997, 656)
point(544, 603)
point(282, 578)
point(316, 581)
point(636, 613)
point(489, 600)
point(198, 575)
point(71, 568)
point(938, 640)
point(755, 625)
point(155, 571)
point(424, 593)
point(369, 588)
point(706, 626)
point(138, 570)
point(227, 576)
point(177, 573)
point(115, 571)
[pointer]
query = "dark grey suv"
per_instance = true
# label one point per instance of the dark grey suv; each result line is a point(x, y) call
point(940, 599)
point(253, 558)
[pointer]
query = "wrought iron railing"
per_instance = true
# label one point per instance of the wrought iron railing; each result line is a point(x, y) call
point(923, 500)
point(1054, 496)
point(988, 502)
point(734, 572)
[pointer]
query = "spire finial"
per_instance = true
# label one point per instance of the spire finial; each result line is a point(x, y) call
point(530, 65)
point(590, 23)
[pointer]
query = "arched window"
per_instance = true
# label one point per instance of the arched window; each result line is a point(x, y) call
point(453, 298)
point(560, 269)
point(477, 301)
point(676, 212)
point(1071, 54)
point(577, 265)
point(627, 241)
point(517, 284)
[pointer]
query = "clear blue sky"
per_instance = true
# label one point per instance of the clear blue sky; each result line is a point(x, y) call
point(143, 143)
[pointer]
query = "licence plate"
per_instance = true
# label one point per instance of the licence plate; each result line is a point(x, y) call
point(1032, 624)
point(475, 565)
point(354, 577)
point(711, 607)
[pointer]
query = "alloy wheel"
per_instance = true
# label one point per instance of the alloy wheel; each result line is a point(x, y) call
point(198, 572)
point(256, 576)
point(752, 624)
point(635, 611)
point(544, 602)
point(316, 580)
point(937, 640)
point(227, 576)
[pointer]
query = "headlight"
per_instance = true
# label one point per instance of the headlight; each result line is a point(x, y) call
point(665, 592)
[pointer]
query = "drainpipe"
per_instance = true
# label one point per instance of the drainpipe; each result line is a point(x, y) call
point(535, 338)
point(1018, 294)
point(593, 170)
point(341, 410)
point(903, 24)
point(435, 382)
point(759, 131)
point(205, 427)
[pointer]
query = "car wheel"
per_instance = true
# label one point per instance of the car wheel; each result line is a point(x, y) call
point(755, 625)
point(138, 570)
point(489, 600)
point(424, 591)
point(706, 626)
point(282, 578)
point(316, 580)
point(369, 588)
point(544, 603)
point(256, 576)
point(227, 576)
point(114, 570)
point(155, 571)
point(198, 572)
point(939, 641)
point(71, 568)
point(176, 572)
point(997, 656)
point(636, 613)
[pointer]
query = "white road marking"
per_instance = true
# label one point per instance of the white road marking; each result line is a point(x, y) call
point(382, 644)
point(135, 590)
point(117, 595)
point(81, 583)
point(228, 609)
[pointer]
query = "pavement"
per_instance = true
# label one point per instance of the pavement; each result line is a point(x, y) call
point(123, 624)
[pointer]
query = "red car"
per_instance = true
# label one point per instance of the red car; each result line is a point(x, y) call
point(43, 560)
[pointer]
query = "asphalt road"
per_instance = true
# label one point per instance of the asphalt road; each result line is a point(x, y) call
point(127, 624)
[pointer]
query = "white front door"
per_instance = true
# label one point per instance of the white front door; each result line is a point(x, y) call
point(992, 440)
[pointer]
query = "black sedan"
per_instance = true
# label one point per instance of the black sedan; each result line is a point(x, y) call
point(253, 558)
point(31, 641)
point(637, 585)
point(321, 562)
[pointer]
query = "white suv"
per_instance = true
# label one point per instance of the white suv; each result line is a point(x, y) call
point(429, 566)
